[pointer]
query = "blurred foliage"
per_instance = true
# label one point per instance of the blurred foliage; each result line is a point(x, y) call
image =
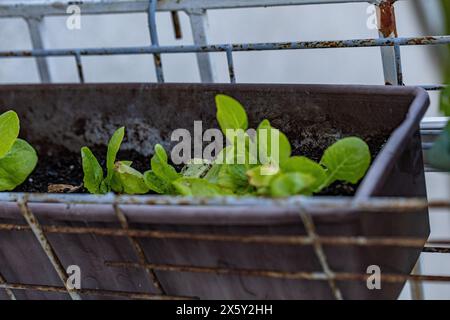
point(439, 154)
point(445, 96)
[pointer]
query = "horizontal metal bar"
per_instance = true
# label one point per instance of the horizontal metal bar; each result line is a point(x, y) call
point(20, 8)
point(445, 242)
point(301, 275)
point(253, 239)
point(436, 250)
point(433, 87)
point(399, 205)
point(96, 292)
point(352, 43)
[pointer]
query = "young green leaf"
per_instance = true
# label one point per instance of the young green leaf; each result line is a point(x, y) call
point(259, 177)
point(347, 159)
point(160, 166)
point(93, 173)
point(230, 113)
point(156, 184)
point(198, 187)
point(17, 165)
point(265, 145)
point(233, 177)
point(213, 173)
point(307, 166)
point(113, 148)
point(129, 180)
point(116, 183)
point(288, 184)
point(9, 131)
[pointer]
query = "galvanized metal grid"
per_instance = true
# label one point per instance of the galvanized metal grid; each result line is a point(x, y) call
point(389, 43)
point(34, 11)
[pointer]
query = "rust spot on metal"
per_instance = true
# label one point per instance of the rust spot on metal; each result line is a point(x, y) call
point(421, 40)
point(387, 25)
point(157, 59)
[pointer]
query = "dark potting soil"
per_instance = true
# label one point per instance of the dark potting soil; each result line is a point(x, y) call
point(64, 167)
point(61, 166)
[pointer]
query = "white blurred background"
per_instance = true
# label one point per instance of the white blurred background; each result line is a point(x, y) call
point(421, 65)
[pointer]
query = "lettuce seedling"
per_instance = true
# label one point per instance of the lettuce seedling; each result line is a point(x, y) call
point(17, 158)
point(162, 175)
point(120, 176)
point(275, 172)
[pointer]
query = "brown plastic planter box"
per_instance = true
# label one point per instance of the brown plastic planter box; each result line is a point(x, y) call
point(58, 117)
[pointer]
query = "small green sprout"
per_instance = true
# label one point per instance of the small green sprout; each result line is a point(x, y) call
point(120, 176)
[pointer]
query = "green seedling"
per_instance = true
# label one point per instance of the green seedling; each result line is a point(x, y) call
point(162, 175)
point(17, 157)
point(120, 176)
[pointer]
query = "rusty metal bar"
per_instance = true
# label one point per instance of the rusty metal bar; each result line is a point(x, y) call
point(294, 45)
point(439, 241)
point(261, 239)
point(298, 275)
point(46, 246)
point(417, 286)
point(138, 251)
point(176, 24)
point(439, 204)
point(96, 292)
point(231, 65)
point(392, 67)
point(8, 291)
point(436, 249)
point(374, 205)
point(320, 254)
point(79, 67)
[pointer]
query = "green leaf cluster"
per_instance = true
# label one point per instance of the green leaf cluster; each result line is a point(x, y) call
point(244, 167)
point(120, 176)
